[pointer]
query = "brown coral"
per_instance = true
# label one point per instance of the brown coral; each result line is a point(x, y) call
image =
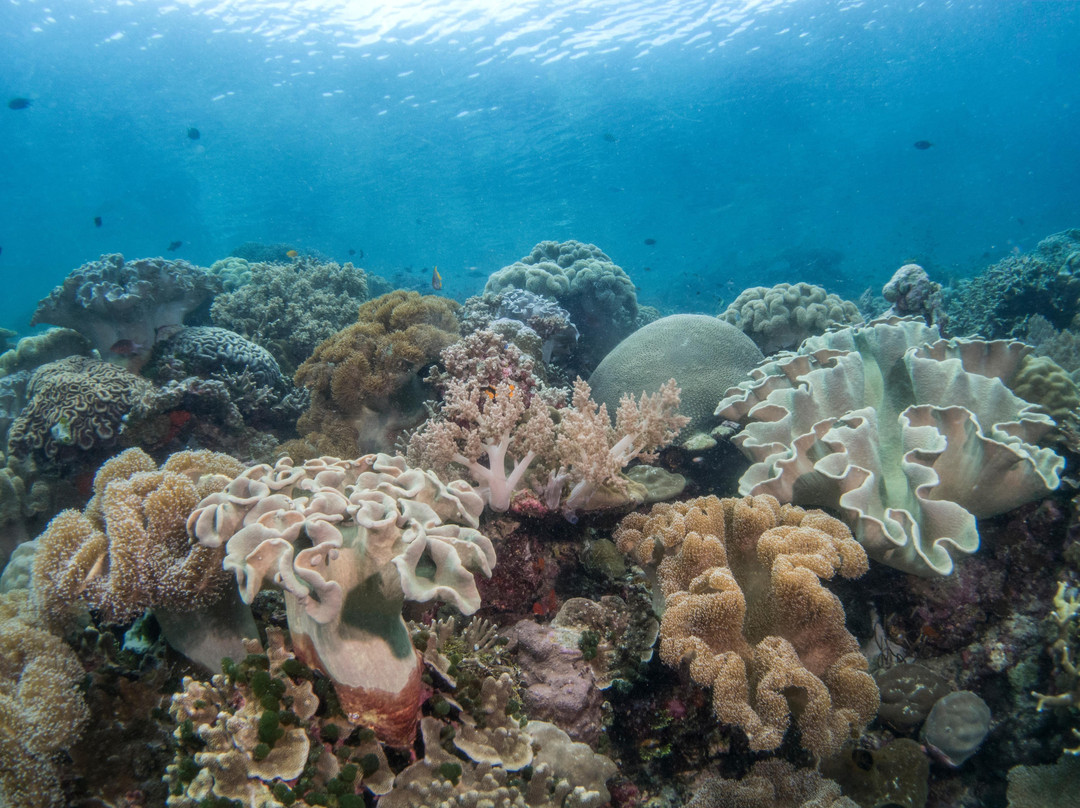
point(41, 708)
point(75, 405)
point(747, 614)
point(129, 550)
point(364, 380)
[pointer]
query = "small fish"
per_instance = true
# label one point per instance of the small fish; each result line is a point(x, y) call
point(292, 253)
point(647, 269)
point(436, 279)
point(358, 253)
point(610, 138)
point(126, 347)
point(97, 221)
point(19, 103)
point(61, 431)
point(922, 145)
point(194, 133)
point(491, 392)
point(175, 245)
point(650, 242)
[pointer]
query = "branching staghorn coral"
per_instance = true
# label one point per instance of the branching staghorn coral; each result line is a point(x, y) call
point(1066, 615)
point(349, 541)
point(746, 612)
point(909, 436)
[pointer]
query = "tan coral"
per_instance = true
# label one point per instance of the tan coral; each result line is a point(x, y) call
point(42, 710)
point(784, 315)
point(747, 615)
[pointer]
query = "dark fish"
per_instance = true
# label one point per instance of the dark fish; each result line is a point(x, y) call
point(649, 242)
point(610, 138)
point(194, 133)
point(175, 245)
point(647, 269)
point(125, 347)
point(352, 251)
point(19, 103)
point(97, 221)
point(1, 249)
point(922, 145)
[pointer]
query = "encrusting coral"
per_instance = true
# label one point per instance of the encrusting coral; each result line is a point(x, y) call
point(909, 436)
point(42, 710)
point(124, 307)
point(349, 541)
point(364, 380)
point(76, 405)
point(288, 308)
point(780, 317)
point(129, 551)
point(746, 612)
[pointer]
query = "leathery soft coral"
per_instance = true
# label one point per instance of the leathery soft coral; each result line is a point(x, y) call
point(349, 541)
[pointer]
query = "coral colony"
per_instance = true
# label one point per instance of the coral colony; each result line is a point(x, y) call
point(277, 534)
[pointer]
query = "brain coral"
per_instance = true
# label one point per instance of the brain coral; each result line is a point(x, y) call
point(598, 294)
point(349, 541)
point(704, 355)
point(910, 437)
point(124, 307)
point(365, 380)
point(289, 308)
point(745, 609)
point(781, 317)
point(75, 405)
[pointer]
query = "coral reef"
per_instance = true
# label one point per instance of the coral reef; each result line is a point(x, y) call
point(288, 308)
point(42, 710)
point(894, 775)
point(1042, 381)
point(999, 302)
point(365, 380)
point(705, 356)
point(781, 317)
point(541, 315)
point(76, 406)
point(746, 613)
point(771, 784)
point(599, 295)
point(956, 726)
point(349, 541)
point(913, 294)
point(909, 436)
point(125, 307)
point(129, 551)
point(908, 692)
point(36, 350)
point(1066, 617)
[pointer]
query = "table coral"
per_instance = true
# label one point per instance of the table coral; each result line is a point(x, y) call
point(746, 611)
point(129, 551)
point(124, 307)
point(909, 436)
point(704, 355)
point(598, 294)
point(42, 710)
point(288, 308)
point(349, 541)
point(780, 317)
point(76, 405)
point(364, 380)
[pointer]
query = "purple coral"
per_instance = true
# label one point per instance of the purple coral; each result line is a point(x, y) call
point(124, 307)
point(544, 316)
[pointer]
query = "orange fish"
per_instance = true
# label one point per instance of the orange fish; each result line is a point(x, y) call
point(292, 253)
point(436, 279)
point(491, 391)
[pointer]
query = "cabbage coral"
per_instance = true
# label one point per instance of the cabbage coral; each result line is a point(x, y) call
point(911, 437)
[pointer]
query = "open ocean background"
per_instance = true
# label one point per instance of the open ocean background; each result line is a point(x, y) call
point(755, 141)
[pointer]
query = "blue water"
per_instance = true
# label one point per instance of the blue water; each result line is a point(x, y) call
point(461, 132)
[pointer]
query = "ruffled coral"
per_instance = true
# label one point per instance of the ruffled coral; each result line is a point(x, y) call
point(349, 541)
point(41, 708)
point(747, 614)
point(909, 436)
point(364, 380)
point(598, 294)
point(782, 316)
point(76, 405)
point(124, 307)
point(288, 308)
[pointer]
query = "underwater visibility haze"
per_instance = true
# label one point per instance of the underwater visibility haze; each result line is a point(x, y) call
point(539, 403)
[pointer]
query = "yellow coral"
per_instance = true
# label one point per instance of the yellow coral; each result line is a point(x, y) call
point(747, 615)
